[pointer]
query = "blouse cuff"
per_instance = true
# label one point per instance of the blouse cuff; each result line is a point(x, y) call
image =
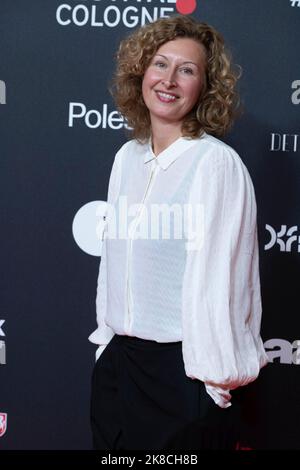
point(220, 396)
point(102, 335)
point(100, 350)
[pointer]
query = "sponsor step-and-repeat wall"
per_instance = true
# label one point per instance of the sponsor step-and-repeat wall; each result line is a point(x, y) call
point(59, 131)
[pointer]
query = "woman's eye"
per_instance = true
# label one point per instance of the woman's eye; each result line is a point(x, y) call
point(187, 70)
point(159, 64)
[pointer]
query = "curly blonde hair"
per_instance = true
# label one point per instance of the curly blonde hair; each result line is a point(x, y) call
point(219, 102)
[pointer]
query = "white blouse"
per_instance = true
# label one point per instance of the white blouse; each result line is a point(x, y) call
point(189, 273)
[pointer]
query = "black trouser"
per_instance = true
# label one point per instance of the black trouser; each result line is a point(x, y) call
point(143, 400)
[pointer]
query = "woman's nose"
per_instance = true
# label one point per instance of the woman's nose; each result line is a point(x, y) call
point(168, 83)
point(169, 79)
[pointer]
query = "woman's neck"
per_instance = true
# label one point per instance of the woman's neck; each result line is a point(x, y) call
point(163, 136)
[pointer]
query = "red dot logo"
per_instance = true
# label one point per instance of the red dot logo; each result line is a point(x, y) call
point(186, 7)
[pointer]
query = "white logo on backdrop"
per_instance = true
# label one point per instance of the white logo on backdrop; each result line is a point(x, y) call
point(94, 118)
point(295, 97)
point(2, 353)
point(276, 237)
point(284, 142)
point(2, 345)
point(113, 13)
point(1, 331)
point(2, 92)
point(295, 3)
point(3, 423)
point(286, 352)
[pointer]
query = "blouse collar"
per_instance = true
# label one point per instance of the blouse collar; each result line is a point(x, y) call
point(171, 153)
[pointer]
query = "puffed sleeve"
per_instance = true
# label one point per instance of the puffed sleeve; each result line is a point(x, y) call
point(103, 334)
point(221, 303)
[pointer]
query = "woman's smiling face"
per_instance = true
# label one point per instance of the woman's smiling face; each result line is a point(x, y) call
point(173, 80)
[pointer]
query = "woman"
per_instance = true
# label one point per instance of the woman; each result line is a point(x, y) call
point(178, 316)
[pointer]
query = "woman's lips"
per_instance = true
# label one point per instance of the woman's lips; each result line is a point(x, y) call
point(166, 97)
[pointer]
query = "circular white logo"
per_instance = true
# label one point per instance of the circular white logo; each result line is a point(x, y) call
point(88, 225)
